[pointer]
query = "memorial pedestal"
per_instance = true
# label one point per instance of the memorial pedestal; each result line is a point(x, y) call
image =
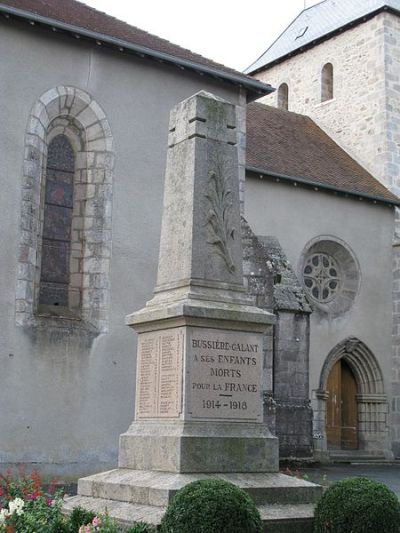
point(199, 391)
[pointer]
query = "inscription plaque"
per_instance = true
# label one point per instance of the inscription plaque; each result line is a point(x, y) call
point(226, 375)
point(159, 380)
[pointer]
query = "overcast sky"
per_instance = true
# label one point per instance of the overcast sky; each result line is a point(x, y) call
point(231, 32)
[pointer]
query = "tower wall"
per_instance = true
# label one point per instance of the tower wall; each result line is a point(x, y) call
point(356, 116)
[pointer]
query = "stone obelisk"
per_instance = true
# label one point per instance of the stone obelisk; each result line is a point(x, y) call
point(200, 341)
point(198, 408)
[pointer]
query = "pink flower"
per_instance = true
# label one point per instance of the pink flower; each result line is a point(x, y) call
point(96, 521)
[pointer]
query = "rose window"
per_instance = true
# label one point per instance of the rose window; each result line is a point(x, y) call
point(321, 276)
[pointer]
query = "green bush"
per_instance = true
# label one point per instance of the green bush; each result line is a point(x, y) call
point(210, 506)
point(357, 505)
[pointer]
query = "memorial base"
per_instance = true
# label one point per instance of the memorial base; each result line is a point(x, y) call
point(199, 447)
point(285, 503)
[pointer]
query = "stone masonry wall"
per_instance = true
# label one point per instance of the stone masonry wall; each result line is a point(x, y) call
point(391, 157)
point(355, 117)
point(272, 284)
point(291, 383)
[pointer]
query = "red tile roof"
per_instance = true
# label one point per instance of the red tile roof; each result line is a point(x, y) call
point(82, 16)
point(283, 143)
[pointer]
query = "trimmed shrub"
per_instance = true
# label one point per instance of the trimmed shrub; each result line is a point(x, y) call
point(210, 506)
point(357, 505)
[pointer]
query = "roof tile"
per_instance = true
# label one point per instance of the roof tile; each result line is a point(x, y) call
point(80, 15)
point(285, 143)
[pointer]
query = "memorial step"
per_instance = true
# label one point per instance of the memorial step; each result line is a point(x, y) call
point(276, 518)
point(287, 518)
point(124, 513)
point(158, 488)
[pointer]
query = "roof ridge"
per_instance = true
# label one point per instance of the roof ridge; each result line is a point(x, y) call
point(77, 16)
point(280, 110)
point(150, 34)
point(323, 19)
point(282, 32)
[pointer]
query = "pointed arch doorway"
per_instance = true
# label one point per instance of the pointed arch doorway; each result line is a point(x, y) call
point(341, 408)
point(351, 408)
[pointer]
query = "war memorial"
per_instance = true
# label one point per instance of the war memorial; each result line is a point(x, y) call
point(200, 347)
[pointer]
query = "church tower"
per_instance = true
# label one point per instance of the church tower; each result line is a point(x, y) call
point(339, 63)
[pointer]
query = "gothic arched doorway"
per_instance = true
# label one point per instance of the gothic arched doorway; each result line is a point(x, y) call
point(341, 408)
point(351, 409)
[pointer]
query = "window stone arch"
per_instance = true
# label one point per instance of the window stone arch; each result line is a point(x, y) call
point(74, 113)
point(330, 274)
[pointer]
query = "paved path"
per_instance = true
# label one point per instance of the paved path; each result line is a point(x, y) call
point(386, 473)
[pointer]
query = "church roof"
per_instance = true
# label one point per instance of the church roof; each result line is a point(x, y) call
point(319, 22)
point(291, 147)
point(83, 21)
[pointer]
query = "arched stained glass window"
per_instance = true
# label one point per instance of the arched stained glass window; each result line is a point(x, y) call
point(57, 223)
point(65, 241)
point(327, 82)
point(283, 96)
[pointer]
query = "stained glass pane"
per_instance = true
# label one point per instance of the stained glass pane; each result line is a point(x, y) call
point(54, 277)
point(59, 188)
point(55, 258)
point(61, 154)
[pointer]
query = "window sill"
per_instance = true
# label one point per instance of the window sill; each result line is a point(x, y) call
point(326, 102)
point(57, 311)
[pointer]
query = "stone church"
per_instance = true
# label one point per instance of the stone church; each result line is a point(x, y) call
point(85, 109)
point(338, 63)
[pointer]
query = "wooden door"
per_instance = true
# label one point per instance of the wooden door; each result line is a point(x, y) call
point(341, 413)
point(349, 408)
point(333, 408)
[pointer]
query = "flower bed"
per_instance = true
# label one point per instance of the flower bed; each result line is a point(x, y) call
point(25, 507)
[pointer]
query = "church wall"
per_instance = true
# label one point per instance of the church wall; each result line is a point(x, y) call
point(363, 117)
point(67, 391)
point(356, 116)
point(297, 216)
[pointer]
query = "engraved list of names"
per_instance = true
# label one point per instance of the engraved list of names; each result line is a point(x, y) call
point(159, 381)
point(226, 375)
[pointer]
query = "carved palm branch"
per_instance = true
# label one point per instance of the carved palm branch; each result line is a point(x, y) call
point(219, 229)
